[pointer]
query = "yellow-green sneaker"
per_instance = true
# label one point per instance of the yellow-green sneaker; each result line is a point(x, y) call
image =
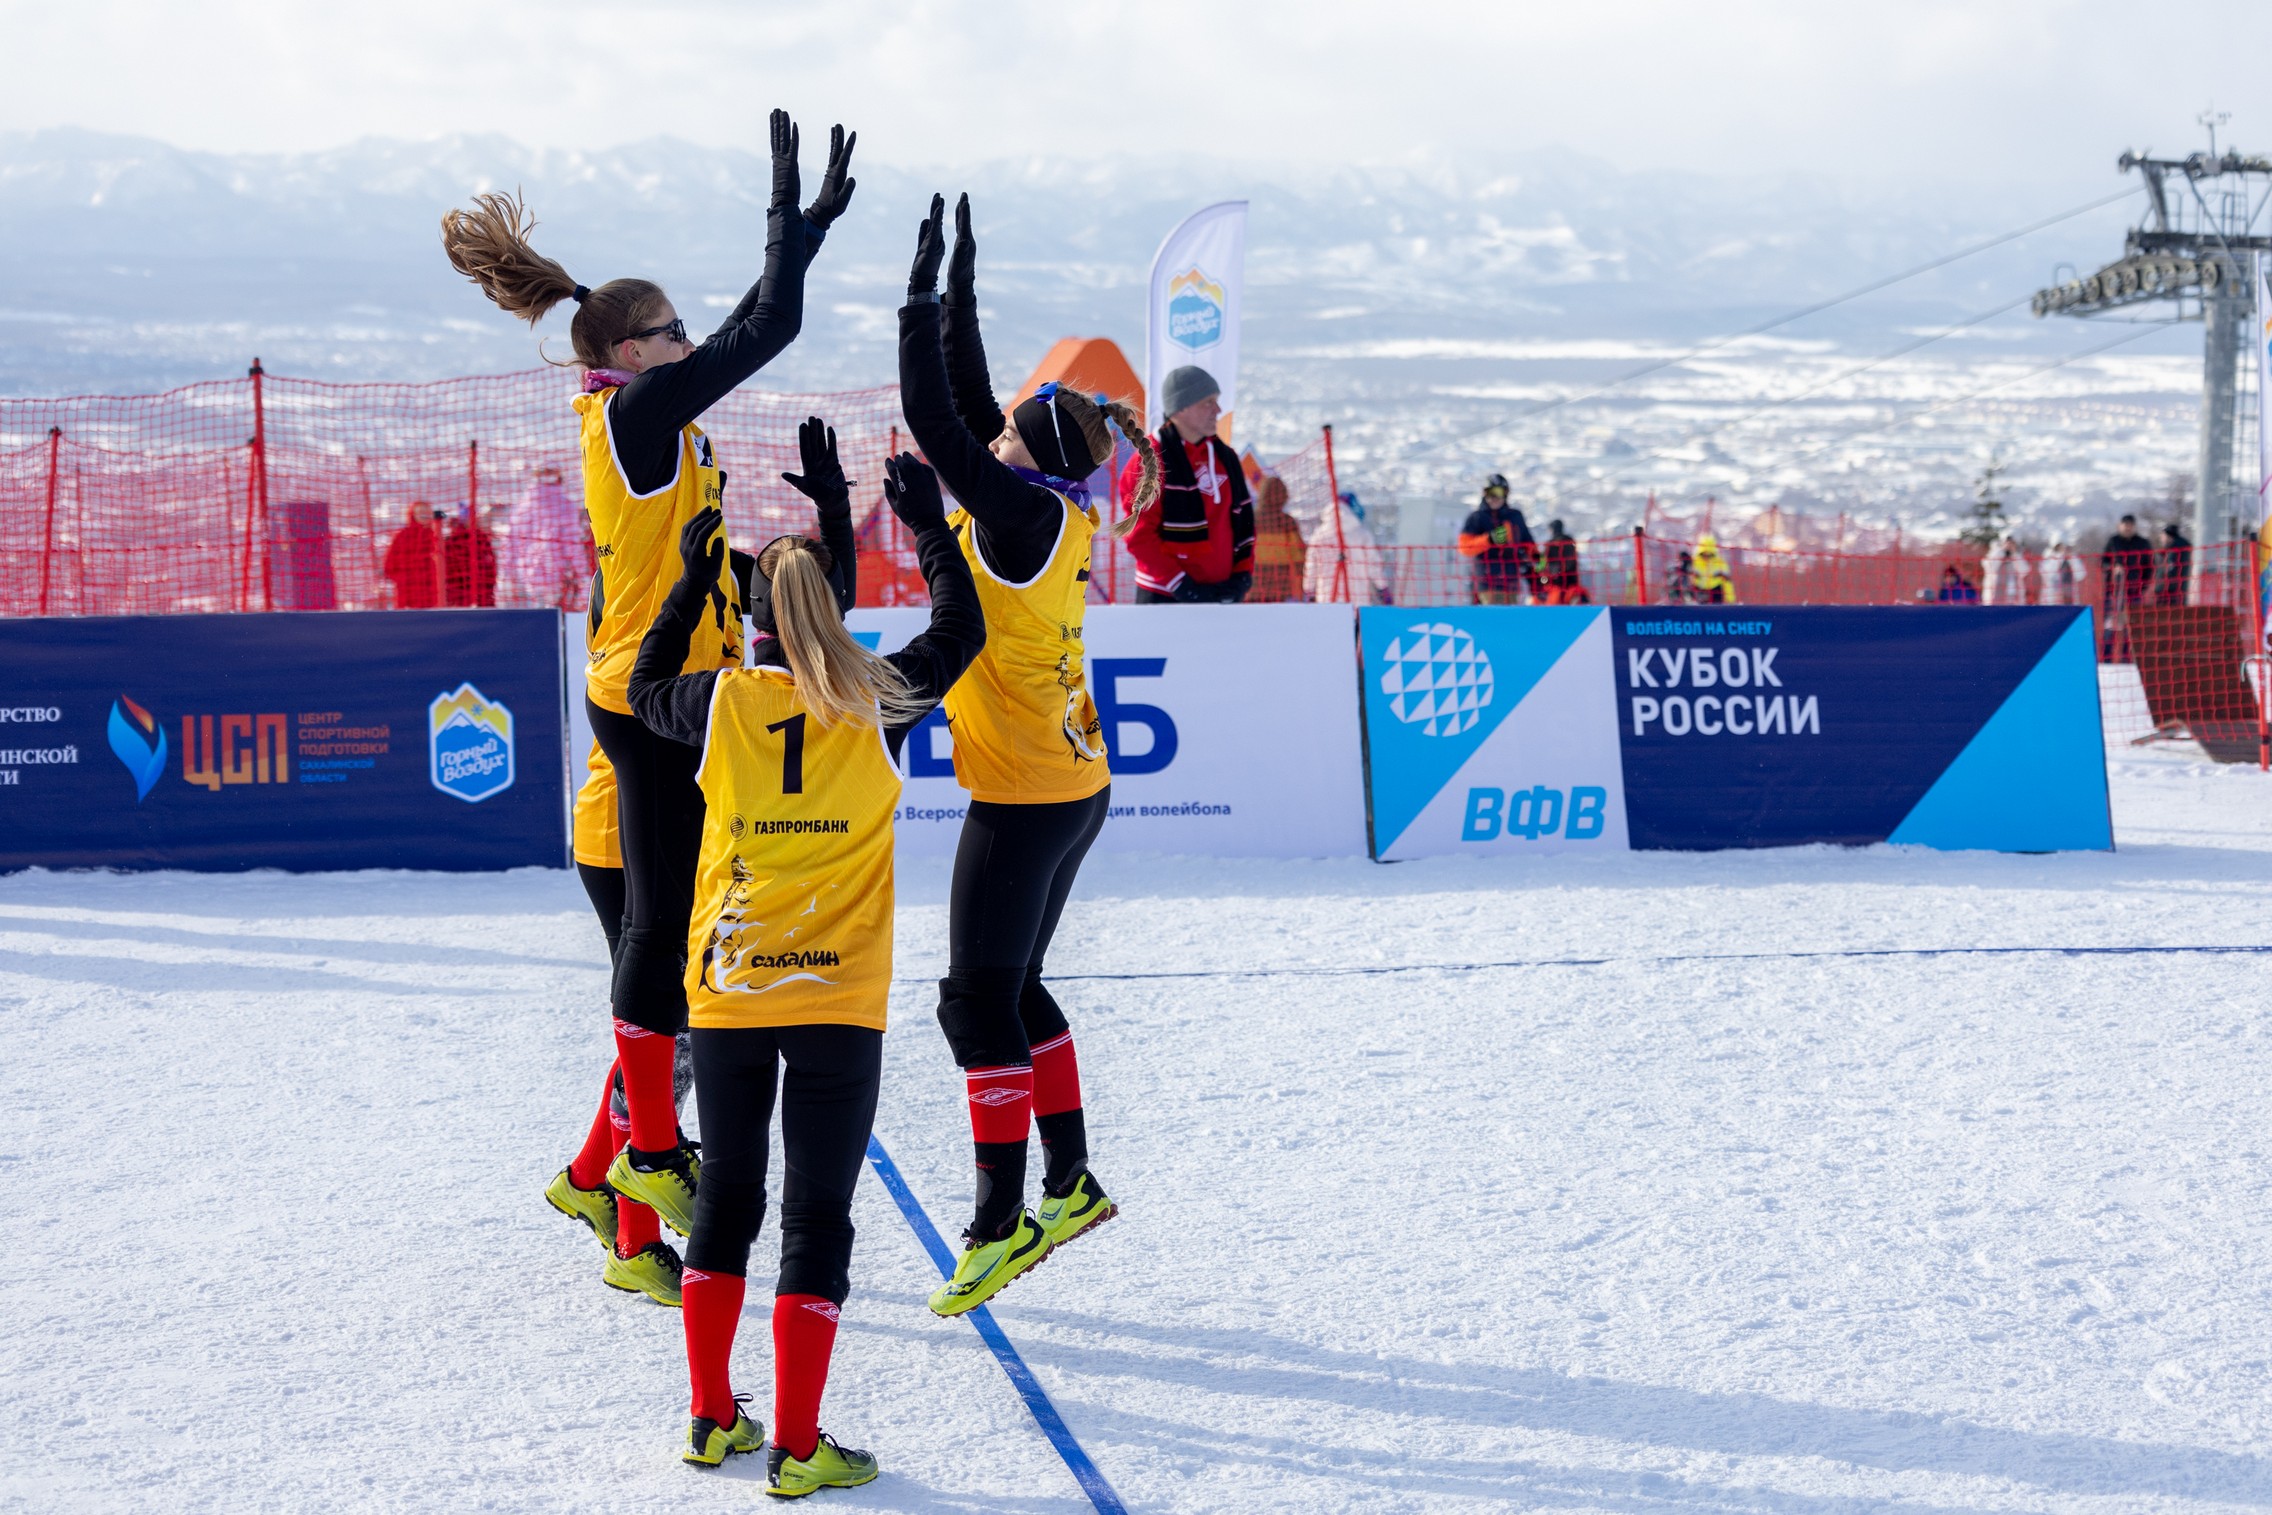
point(1076, 1212)
point(653, 1271)
point(987, 1267)
point(667, 1188)
point(709, 1443)
point(594, 1207)
point(830, 1467)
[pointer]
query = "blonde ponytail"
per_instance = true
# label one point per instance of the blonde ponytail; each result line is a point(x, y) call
point(836, 676)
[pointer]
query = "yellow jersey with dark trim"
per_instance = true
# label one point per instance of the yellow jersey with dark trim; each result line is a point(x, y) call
point(637, 539)
point(1025, 729)
point(793, 894)
point(598, 844)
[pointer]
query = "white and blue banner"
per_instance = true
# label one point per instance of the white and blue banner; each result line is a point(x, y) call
point(1198, 277)
point(1501, 729)
point(1232, 732)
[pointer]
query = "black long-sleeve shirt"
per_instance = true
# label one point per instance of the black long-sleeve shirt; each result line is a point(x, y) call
point(648, 413)
point(678, 705)
point(1015, 520)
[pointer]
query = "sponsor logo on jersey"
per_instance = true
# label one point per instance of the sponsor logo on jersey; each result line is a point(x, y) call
point(1195, 310)
point(469, 744)
point(140, 743)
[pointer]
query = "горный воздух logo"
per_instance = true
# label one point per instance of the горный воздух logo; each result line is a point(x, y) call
point(1195, 310)
point(1437, 678)
point(140, 743)
point(470, 743)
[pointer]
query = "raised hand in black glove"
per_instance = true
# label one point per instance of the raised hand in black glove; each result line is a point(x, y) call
point(912, 490)
point(784, 161)
point(962, 264)
point(835, 187)
point(823, 480)
point(702, 549)
point(930, 250)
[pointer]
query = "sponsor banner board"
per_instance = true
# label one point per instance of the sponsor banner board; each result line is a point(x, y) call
point(1232, 732)
point(1502, 729)
point(390, 739)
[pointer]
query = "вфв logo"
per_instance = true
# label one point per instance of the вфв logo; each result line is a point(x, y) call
point(1437, 678)
point(470, 740)
point(1195, 310)
point(140, 744)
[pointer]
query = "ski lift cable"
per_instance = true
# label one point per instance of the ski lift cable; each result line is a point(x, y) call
point(1939, 405)
point(1784, 320)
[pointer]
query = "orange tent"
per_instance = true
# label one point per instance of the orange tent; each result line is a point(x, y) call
point(1092, 365)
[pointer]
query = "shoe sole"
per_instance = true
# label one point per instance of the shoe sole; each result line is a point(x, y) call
point(669, 1304)
point(1108, 1212)
point(589, 1224)
point(833, 1483)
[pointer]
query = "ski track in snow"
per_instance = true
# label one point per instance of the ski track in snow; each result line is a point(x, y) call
point(1791, 1237)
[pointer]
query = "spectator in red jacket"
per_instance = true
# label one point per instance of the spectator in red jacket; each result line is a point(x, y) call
point(469, 562)
point(1195, 544)
point(414, 560)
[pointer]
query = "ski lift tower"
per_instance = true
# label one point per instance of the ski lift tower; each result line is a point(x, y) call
point(2195, 248)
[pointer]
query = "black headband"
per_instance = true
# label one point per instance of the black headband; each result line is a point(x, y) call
point(1050, 439)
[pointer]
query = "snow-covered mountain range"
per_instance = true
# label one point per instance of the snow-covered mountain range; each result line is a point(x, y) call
point(1426, 314)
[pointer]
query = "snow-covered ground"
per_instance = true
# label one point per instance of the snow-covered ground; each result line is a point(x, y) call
point(1795, 1234)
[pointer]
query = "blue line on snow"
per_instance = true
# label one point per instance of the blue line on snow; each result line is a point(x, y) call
point(1366, 969)
point(1029, 1388)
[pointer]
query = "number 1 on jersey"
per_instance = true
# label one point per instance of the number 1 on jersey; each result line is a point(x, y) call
point(792, 753)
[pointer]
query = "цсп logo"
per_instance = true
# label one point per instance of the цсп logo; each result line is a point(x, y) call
point(1195, 310)
point(469, 740)
point(1437, 679)
point(140, 743)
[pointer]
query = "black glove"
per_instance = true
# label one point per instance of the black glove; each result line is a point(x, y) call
point(835, 188)
point(784, 161)
point(702, 550)
point(823, 480)
point(962, 265)
point(930, 249)
point(1236, 587)
point(912, 490)
point(1189, 593)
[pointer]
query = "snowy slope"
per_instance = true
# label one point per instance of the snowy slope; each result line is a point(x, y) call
point(1791, 1234)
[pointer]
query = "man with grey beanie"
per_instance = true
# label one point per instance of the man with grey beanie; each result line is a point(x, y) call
point(1196, 543)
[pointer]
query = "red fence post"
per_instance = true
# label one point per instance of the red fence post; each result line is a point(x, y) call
point(1340, 541)
point(47, 546)
point(2256, 603)
point(256, 500)
point(472, 482)
point(1640, 567)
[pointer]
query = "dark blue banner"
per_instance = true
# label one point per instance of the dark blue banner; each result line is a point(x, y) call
point(1773, 725)
point(395, 739)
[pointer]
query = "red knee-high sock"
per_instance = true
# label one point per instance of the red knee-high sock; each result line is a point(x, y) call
point(646, 1059)
point(589, 1166)
point(635, 1224)
point(712, 1305)
point(1001, 1103)
point(1056, 1076)
point(804, 1334)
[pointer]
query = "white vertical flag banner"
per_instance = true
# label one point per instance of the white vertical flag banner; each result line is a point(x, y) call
point(1196, 280)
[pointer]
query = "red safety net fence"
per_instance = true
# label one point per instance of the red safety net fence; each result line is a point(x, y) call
point(270, 493)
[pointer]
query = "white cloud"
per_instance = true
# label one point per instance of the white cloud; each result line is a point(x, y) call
point(1919, 91)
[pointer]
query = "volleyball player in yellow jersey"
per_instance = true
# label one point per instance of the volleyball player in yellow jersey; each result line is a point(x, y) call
point(789, 957)
point(648, 469)
point(1028, 747)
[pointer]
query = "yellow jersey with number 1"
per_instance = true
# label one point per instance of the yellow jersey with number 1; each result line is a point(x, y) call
point(637, 539)
point(1025, 729)
point(793, 895)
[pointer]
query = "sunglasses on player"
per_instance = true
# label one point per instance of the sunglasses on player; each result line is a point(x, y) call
point(675, 330)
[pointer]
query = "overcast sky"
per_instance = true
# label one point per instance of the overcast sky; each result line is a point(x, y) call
point(1913, 90)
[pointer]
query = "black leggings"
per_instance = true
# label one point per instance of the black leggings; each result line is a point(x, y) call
point(604, 888)
point(1013, 869)
point(828, 1107)
point(659, 818)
